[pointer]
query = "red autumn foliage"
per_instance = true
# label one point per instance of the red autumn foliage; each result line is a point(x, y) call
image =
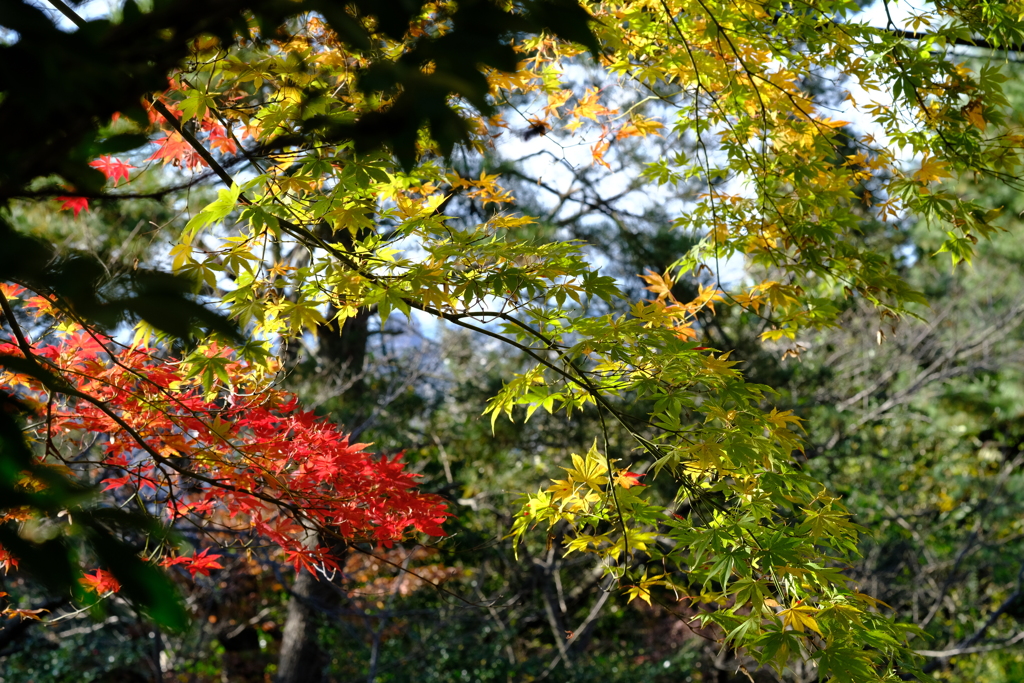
point(235, 458)
point(75, 204)
point(100, 582)
point(219, 138)
point(174, 149)
point(114, 169)
point(200, 563)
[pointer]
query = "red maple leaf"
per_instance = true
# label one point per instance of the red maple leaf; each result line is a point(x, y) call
point(7, 561)
point(100, 581)
point(182, 508)
point(11, 291)
point(219, 138)
point(175, 149)
point(156, 117)
point(76, 204)
point(199, 563)
point(117, 482)
point(114, 169)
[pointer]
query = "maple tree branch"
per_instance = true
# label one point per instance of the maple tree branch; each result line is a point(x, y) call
point(580, 631)
point(573, 374)
point(170, 396)
point(23, 344)
point(64, 192)
point(558, 631)
point(967, 645)
point(68, 13)
point(293, 229)
point(577, 375)
point(14, 627)
point(196, 145)
point(436, 585)
point(980, 43)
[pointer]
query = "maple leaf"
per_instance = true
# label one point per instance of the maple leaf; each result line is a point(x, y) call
point(658, 284)
point(116, 482)
point(556, 100)
point(301, 559)
point(7, 561)
point(800, 618)
point(973, 111)
point(219, 139)
point(114, 169)
point(11, 291)
point(589, 106)
point(12, 612)
point(639, 126)
point(932, 168)
point(203, 563)
point(627, 479)
point(562, 489)
point(780, 418)
point(199, 563)
point(100, 582)
point(832, 124)
point(180, 509)
point(642, 589)
point(597, 153)
point(589, 471)
point(75, 204)
point(175, 149)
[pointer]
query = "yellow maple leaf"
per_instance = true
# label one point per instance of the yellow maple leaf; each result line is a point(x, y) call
point(717, 366)
point(781, 418)
point(639, 127)
point(800, 618)
point(658, 284)
point(556, 100)
point(752, 301)
point(833, 124)
point(973, 111)
point(642, 589)
point(590, 470)
point(931, 169)
point(561, 489)
point(706, 297)
point(589, 107)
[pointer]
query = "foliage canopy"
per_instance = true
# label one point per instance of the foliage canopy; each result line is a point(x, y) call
point(353, 145)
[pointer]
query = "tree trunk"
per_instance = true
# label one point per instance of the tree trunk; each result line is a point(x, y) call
point(313, 598)
point(302, 658)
